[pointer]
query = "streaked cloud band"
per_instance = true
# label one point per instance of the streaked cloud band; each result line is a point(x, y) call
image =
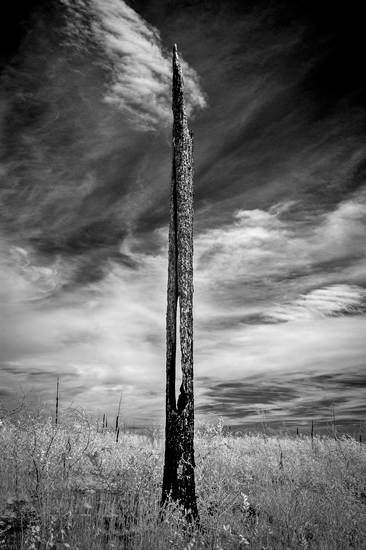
point(138, 64)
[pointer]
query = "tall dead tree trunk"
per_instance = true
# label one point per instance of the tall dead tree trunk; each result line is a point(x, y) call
point(179, 480)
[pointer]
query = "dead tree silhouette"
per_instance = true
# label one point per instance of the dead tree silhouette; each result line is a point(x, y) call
point(179, 479)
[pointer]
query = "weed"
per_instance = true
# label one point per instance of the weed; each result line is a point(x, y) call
point(66, 485)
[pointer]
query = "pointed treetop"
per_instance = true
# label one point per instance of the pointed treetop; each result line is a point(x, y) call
point(178, 87)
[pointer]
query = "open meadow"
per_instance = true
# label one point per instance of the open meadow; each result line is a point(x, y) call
point(72, 485)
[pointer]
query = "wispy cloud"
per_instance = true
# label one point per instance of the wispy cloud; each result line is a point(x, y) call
point(280, 228)
point(260, 256)
point(107, 340)
point(289, 399)
point(333, 300)
point(110, 338)
point(139, 66)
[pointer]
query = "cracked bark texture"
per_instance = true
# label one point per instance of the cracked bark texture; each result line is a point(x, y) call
point(179, 480)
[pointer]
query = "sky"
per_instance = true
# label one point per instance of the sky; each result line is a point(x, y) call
point(276, 97)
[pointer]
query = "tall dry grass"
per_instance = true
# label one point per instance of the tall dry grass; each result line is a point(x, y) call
point(66, 485)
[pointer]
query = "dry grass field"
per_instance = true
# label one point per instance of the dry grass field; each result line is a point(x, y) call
point(73, 486)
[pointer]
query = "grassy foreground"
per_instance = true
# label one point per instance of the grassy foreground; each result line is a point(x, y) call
point(70, 486)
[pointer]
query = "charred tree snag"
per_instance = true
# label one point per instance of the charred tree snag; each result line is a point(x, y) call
point(179, 480)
